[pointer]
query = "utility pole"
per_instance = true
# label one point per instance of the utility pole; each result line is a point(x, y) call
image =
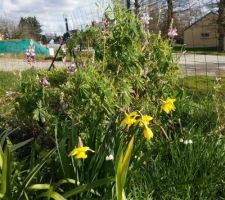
point(67, 27)
point(63, 40)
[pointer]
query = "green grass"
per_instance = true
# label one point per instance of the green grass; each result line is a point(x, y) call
point(177, 48)
point(9, 81)
point(201, 84)
point(9, 85)
point(173, 170)
point(38, 57)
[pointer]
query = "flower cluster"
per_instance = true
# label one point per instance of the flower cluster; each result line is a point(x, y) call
point(44, 82)
point(64, 105)
point(186, 141)
point(105, 27)
point(131, 119)
point(172, 33)
point(136, 119)
point(71, 68)
point(30, 54)
point(143, 121)
point(145, 18)
point(109, 157)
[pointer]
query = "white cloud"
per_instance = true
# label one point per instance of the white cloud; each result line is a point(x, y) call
point(51, 13)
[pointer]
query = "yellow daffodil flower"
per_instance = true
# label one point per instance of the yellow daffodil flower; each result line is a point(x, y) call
point(129, 119)
point(80, 152)
point(144, 120)
point(168, 105)
point(148, 134)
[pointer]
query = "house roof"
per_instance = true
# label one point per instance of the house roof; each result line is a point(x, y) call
point(211, 12)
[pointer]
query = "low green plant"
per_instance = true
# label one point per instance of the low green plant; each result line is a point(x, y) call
point(178, 169)
point(122, 169)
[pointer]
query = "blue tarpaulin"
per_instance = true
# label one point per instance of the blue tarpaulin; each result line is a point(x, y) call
point(20, 47)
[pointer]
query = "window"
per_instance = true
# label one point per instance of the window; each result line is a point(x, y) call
point(205, 35)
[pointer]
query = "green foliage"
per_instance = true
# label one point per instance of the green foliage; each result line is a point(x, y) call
point(174, 170)
point(122, 170)
point(128, 74)
point(9, 85)
point(132, 68)
point(82, 39)
point(28, 27)
point(133, 71)
point(9, 82)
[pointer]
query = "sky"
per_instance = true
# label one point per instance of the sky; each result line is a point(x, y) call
point(51, 13)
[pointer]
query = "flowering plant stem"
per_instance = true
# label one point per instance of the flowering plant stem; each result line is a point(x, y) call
point(43, 95)
point(103, 61)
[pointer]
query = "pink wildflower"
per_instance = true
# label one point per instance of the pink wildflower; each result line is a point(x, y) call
point(145, 18)
point(44, 82)
point(172, 33)
point(71, 68)
point(105, 27)
point(30, 54)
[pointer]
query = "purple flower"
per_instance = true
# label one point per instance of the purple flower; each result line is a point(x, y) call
point(30, 54)
point(105, 22)
point(145, 18)
point(172, 33)
point(44, 82)
point(105, 27)
point(71, 68)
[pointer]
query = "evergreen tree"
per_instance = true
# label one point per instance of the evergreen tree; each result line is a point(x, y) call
point(28, 27)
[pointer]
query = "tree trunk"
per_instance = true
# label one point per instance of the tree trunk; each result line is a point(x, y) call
point(221, 24)
point(137, 6)
point(169, 14)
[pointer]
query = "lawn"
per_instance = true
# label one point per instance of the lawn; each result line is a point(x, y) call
point(39, 57)
point(201, 84)
point(178, 48)
point(9, 82)
point(9, 85)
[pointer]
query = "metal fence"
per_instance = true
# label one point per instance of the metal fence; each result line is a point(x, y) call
point(196, 48)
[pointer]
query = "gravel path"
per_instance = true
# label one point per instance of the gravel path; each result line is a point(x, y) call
point(209, 65)
point(7, 64)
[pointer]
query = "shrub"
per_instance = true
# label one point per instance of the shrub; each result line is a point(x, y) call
point(133, 69)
